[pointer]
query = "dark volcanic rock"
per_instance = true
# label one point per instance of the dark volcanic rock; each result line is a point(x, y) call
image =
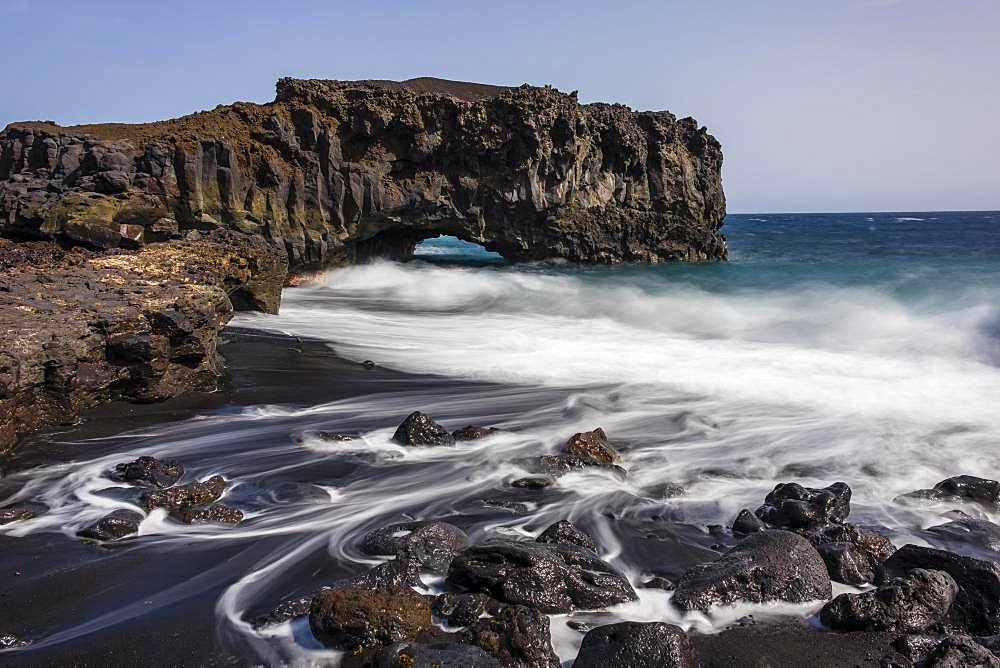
point(217, 513)
point(558, 465)
point(21, 511)
point(433, 654)
point(664, 490)
point(592, 445)
point(533, 482)
point(960, 652)
point(473, 432)
point(338, 436)
point(431, 545)
point(659, 582)
point(967, 530)
point(460, 609)
point(150, 470)
point(349, 618)
point(852, 554)
point(747, 522)
point(960, 489)
point(909, 604)
point(517, 636)
point(400, 572)
point(556, 577)
point(345, 170)
point(976, 608)
point(287, 609)
point(114, 525)
point(192, 494)
point(792, 506)
point(418, 429)
point(766, 566)
point(637, 645)
point(82, 328)
point(565, 531)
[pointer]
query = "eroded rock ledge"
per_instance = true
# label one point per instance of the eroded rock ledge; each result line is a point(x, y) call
point(80, 327)
point(340, 171)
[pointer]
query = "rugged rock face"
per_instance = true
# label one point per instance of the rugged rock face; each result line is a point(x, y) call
point(78, 328)
point(339, 171)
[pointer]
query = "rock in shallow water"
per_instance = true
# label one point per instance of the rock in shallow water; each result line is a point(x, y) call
point(192, 494)
point(150, 471)
point(350, 618)
point(976, 608)
point(431, 545)
point(21, 511)
point(908, 604)
point(473, 432)
point(217, 513)
point(460, 609)
point(792, 506)
point(767, 566)
point(113, 526)
point(746, 523)
point(592, 445)
point(430, 654)
point(565, 531)
point(852, 554)
point(636, 645)
point(418, 429)
point(553, 578)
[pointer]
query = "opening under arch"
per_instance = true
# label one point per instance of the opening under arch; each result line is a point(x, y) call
point(446, 249)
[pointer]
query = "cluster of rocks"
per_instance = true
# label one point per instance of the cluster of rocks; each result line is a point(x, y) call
point(155, 479)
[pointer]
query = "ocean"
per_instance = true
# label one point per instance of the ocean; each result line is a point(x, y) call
point(862, 348)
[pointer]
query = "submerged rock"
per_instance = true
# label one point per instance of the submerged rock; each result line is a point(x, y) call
point(192, 494)
point(766, 566)
point(636, 645)
point(565, 531)
point(516, 636)
point(150, 471)
point(350, 618)
point(907, 604)
point(430, 544)
point(592, 445)
point(664, 490)
point(792, 506)
point(533, 482)
point(473, 432)
point(418, 430)
point(21, 511)
point(338, 436)
point(217, 513)
point(556, 577)
point(114, 525)
point(976, 608)
point(658, 582)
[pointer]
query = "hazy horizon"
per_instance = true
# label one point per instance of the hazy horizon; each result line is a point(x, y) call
point(856, 106)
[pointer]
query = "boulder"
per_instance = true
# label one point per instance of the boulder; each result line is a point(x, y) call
point(356, 620)
point(557, 577)
point(852, 554)
point(473, 432)
point(565, 531)
point(516, 636)
point(192, 494)
point(907, 604)
point(970, 488)
point(592, 445)
point(792, 506)
point(766, 566)
point(150, 471)
point(431, 544)
point(114, 525)
point(636, 645)
point(969, 531)
point(419, 430)
point(976, 608)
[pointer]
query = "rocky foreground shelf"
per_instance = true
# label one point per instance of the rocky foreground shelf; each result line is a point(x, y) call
point(80, 327)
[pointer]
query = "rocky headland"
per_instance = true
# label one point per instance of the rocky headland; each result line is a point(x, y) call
point(145, 236)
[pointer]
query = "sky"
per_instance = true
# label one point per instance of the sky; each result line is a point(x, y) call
point(820, 105)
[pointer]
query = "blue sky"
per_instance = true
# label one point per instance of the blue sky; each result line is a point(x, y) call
point(821, 105)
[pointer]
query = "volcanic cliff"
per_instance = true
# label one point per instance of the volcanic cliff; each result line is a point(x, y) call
point(145, 236)
point(343, 171)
